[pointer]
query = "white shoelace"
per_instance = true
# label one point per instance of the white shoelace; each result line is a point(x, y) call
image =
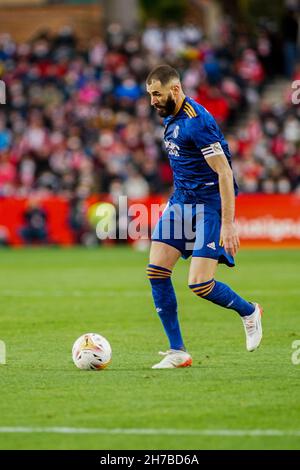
point(250, 325)
point(165, 353)
point(169, 351)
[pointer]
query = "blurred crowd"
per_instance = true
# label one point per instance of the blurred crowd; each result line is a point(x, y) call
point(266, 150)
point(78, 121)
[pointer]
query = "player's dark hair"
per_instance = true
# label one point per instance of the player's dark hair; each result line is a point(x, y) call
point(163, 73)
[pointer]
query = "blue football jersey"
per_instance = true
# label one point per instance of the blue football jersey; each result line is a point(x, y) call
point(191, 136)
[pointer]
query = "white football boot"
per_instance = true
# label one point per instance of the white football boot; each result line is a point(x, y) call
point(253, 328)
point(173, 359)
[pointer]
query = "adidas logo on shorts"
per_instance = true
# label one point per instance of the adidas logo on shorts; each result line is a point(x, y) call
point(211, 245)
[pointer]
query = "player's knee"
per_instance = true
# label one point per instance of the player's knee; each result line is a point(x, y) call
point(155, 272)
point(202, 289)
point(198, 278)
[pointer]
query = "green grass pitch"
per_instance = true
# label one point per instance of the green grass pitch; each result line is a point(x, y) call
point(49, 297)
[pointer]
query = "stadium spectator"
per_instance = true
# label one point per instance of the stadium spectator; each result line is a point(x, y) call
point(34, 230)
point(4, 236)
point(290, 33)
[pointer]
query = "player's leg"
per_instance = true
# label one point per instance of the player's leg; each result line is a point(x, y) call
point(203, 284)
point(202, 270)
point(206, 255)
point(163, 255)
point(163, 258)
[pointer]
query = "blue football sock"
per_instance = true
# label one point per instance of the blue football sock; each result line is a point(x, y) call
point(221, 294)
point(165, 302)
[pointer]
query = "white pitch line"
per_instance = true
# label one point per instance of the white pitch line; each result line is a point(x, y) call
point(154, 432)
point(112, 293)
point(73, 294)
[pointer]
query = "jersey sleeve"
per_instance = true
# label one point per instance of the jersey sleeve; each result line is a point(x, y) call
point(205, 135)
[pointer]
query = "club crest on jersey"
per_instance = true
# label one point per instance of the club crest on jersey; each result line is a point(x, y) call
point(172, 148)
point(176, 132)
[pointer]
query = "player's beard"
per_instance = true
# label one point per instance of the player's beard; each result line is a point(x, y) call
point(168, 108)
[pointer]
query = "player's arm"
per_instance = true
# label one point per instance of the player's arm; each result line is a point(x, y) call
point(229, 235)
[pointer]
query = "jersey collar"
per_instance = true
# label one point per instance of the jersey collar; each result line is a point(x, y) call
point(179, 113)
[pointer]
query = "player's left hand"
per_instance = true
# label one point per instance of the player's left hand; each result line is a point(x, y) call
point(229, 238)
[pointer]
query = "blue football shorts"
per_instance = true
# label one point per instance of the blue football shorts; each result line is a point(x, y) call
point(193, 229)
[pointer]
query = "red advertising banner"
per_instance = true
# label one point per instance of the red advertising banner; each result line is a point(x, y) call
point(263, 220)
point(13, 219)
point(269, 220)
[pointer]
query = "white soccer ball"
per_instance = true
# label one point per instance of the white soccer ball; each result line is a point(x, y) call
point(91, 352)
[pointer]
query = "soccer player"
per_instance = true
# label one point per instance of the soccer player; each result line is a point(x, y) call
point(204, 197)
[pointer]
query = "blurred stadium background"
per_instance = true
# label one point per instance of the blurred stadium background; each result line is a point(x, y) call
point(77, 126)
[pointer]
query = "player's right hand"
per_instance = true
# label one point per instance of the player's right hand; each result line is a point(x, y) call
point(229, 238)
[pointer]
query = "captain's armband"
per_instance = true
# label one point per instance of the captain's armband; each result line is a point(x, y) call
point(212, 150)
